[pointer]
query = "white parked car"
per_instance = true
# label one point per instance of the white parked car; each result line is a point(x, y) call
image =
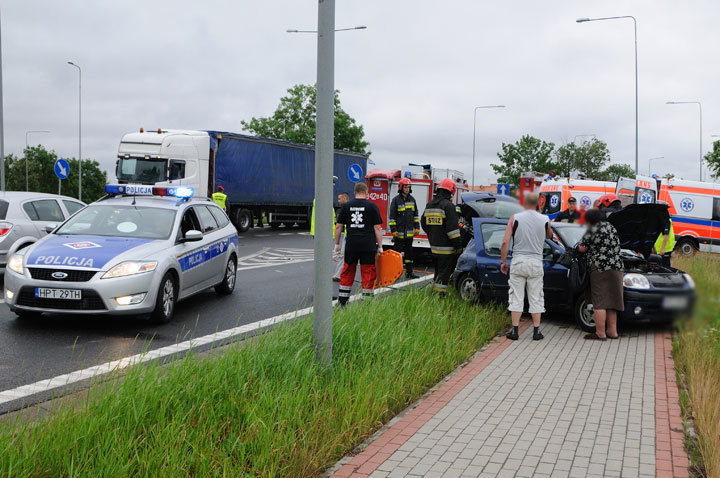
point(25, 217)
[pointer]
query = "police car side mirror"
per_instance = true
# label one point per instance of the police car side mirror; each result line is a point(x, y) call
point(50, 227)
point(193, 236)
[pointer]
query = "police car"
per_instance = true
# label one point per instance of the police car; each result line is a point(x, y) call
point(138, 250)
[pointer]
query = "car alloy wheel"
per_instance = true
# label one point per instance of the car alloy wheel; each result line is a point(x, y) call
point(469, 288)
point(584, 314)
point(168, 297)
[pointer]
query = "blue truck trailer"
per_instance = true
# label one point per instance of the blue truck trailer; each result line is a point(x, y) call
point(265, 179)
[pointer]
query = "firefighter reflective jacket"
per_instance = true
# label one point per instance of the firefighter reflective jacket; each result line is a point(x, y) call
point(440, 222)
point(403, 218)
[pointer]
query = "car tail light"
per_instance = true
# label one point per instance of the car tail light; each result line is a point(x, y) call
point(5, 227)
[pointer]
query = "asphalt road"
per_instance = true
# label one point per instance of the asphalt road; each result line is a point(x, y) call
point(275, 272)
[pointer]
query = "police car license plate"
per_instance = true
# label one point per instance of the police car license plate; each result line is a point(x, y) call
point(66, 294)
point(675, 303)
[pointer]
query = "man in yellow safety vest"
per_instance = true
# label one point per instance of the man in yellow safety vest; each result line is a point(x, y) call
point(220, 198)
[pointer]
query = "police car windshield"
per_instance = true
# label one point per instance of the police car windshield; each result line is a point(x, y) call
point(121, 221)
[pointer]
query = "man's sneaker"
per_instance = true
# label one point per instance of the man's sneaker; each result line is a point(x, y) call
point(411, 275)
point(538, 336)
point(512, 335)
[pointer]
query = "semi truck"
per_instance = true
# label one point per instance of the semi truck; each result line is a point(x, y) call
point(262, 177)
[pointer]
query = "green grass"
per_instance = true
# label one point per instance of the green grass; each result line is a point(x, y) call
point(262, 409)
point(697, 354)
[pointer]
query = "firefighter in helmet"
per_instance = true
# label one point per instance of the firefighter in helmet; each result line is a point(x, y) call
point(440, 222)
point(404, 224)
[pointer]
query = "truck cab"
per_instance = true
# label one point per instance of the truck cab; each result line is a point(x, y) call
point(165, 158)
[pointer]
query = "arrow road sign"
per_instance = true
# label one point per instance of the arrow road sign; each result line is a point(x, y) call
point(355, 173)
point(62, 168)
point(503, 188)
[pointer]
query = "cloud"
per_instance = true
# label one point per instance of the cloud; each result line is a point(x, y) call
point(412, 78)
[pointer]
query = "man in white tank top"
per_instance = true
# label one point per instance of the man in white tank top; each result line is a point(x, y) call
point(528, 231)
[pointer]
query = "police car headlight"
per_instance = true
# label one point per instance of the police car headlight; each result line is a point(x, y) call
point(636, 281)
point(130, 268)
point(15, 263)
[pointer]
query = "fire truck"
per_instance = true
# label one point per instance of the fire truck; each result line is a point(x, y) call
point(383, 187)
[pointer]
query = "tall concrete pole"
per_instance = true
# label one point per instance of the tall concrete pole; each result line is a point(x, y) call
point(2, 126)
point(324, 152)
point(79, 128)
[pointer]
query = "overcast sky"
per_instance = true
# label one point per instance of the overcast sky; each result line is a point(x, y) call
point(411, 79)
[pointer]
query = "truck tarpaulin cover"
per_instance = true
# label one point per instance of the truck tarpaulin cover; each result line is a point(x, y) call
point(265, 171)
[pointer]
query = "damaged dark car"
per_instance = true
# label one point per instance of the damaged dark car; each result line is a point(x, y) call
point(652, 291)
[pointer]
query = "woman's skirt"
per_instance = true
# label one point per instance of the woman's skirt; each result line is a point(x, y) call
point(606, 289)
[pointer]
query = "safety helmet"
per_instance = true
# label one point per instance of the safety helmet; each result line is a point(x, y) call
point(448, 185)
point(607, 200)
point(221, 189)
point(404, 182)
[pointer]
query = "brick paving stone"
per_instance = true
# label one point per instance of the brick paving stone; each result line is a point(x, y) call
point(562, 407)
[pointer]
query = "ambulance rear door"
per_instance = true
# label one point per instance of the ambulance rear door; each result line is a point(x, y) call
point(640, 190)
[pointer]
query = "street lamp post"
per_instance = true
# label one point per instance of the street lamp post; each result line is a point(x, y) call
point(79, 128)
point(2, 127)
point(583, 20)
point(701, 134)
point(324, 152)
point(474, 128)
point(650, 160)
point(25, 155)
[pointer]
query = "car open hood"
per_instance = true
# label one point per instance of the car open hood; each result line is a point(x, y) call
point(639, 225)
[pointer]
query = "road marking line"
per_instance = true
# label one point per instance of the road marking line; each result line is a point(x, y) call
point(73, 377)
point(24, 391)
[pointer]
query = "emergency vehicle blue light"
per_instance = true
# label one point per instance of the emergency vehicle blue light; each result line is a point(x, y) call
point(178, 192)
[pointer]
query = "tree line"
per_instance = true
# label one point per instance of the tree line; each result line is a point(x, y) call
point(591, 157)
point(41, 174)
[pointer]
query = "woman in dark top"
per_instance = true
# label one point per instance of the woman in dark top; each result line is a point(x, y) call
point(602, 246)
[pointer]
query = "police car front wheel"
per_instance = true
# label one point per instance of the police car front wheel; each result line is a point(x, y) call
point(166, 299)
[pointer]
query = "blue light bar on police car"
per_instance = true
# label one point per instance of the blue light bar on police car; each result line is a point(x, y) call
point(181, 192)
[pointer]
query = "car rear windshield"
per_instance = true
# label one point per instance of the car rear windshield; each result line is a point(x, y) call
point(121, 221)
point(492, 208)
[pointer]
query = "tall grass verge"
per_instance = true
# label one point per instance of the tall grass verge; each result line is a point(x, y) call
point(697, 353)
point(260, 409)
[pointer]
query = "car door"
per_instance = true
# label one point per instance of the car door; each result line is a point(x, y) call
point(189, 254)
point(489, 234)
point(555, 279)
point(43, 212)
point(214, 248)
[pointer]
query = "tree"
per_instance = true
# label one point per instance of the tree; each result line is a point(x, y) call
point(294, 120)
point(590, 157)
point(713, 159)
point(527, 154)
point(42, 179)
point(614, 171)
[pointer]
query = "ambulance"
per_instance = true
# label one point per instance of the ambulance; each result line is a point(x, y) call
point(554, 194)
point(695, 211)
point(383, 187)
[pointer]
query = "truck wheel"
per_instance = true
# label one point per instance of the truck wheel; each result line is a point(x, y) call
point(243, 220)
point(686, 247)
point(227, 286)
point(583, 314)
point(275, 225)
point(166, 299)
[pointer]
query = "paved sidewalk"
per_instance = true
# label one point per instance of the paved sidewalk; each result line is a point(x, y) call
point(559, 407)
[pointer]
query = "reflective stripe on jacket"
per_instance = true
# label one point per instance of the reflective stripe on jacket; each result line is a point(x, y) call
point(440, 222)
point(403, 218)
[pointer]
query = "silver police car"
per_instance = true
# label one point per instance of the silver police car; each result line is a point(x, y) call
point(137, 251)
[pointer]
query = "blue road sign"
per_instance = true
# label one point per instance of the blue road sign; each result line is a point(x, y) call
point(503, 188)
point(62, 168)
point(355, 173)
